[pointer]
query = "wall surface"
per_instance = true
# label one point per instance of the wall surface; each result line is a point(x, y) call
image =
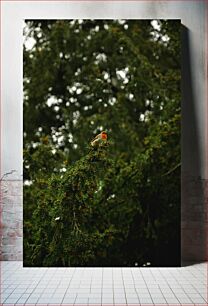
point(194, 175)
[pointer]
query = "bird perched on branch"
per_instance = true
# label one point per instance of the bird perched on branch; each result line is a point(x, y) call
point(100, 138)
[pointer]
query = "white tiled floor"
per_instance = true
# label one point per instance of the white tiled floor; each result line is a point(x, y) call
point(103, 286)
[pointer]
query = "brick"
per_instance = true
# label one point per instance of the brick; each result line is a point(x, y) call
point(11, 220)
point(194, 216)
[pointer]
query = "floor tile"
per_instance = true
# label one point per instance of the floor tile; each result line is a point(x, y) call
point(132, 300)
point(81, 301)
point(107, 300)
point(187, 285)
point(94, 301)
point(69, 300)
point(32, 300)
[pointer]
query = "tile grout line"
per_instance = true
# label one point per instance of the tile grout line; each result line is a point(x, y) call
point(146, 286)
point(69, 285)
point(123, 284)
point(169, 286)
point(37, 285)
point(180, 288)
point(135, 286)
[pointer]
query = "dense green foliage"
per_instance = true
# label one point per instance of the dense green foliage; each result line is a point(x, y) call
point(117, 204)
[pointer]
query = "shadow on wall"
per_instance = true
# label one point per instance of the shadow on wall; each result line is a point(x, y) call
point(193, 223)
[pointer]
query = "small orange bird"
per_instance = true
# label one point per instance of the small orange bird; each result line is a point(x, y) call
point(100, 138)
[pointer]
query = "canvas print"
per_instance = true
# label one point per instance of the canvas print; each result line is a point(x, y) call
point(102, 161)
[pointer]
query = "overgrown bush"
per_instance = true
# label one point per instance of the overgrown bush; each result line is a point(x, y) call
point(117, 204)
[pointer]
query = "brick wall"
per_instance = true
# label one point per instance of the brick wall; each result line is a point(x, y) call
point(194, 220)
point(11, 220)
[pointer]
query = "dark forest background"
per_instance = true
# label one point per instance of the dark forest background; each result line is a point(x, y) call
point(117, 204)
